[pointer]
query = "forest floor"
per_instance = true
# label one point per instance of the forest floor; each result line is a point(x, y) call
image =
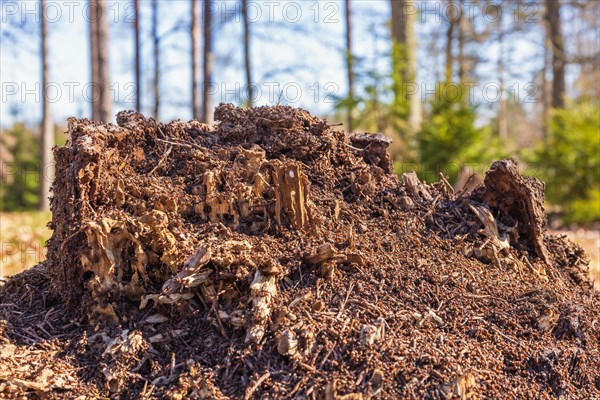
point(270, 256)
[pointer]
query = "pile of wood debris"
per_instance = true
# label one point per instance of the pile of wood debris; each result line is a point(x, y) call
point(270, 256)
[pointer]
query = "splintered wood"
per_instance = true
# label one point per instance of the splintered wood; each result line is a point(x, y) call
point(519, 197)
point(253, 179)
point(291, 194)
point(416, 188)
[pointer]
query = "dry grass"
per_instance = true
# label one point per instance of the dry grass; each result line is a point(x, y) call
point(22, 238)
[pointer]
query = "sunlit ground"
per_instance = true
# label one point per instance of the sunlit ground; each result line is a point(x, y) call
point(23, 236)
point(22, 239)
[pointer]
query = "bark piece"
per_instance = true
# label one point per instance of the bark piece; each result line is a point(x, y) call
point(287, 343)
point(463, 386)
point(371, 333)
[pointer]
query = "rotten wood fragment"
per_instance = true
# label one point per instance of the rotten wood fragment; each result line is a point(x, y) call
point(374, 147)
point(112, 254)
point(190, 276)
point(406, 203)
point(287, 343)
point(243, 192)
point(324, 253)
point(262, 292)
point(520, 197)
point(291, 194)
point(417, 188)
point(490, 228)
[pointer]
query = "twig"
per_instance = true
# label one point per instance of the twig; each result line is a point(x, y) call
point(502, 334)
point(162, 159)
point(463, 190)
point(345, 300)
point(353, 148)
point(191, 145)
point(256, 385)
point(470, 273)
point(174, 143)
point(307, 366)
point(443, 178)
point(215, 308)
point(327, 356)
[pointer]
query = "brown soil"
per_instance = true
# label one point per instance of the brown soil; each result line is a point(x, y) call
point(273, 257)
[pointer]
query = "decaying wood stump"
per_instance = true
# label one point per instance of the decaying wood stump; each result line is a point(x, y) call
point(270, 256)
point(164, 214)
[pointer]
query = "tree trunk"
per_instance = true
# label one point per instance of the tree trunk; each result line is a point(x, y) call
point(247, 53)
point(415, 116)
point(47, 139)
point(462, 68)
point(195, 37)
point(502, 106)
point(138, 80)
point(94, 60)
point(349, 64)
point(156, 57)
point(558, 53)
point(449, 70)
point(105, 103)
point(545, 88)
point(208, 59)
point(404, 43)
point(399, 20)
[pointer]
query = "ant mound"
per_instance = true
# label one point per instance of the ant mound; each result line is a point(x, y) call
point(270, 256)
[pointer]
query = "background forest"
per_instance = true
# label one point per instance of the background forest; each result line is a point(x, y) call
point(456, 84)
